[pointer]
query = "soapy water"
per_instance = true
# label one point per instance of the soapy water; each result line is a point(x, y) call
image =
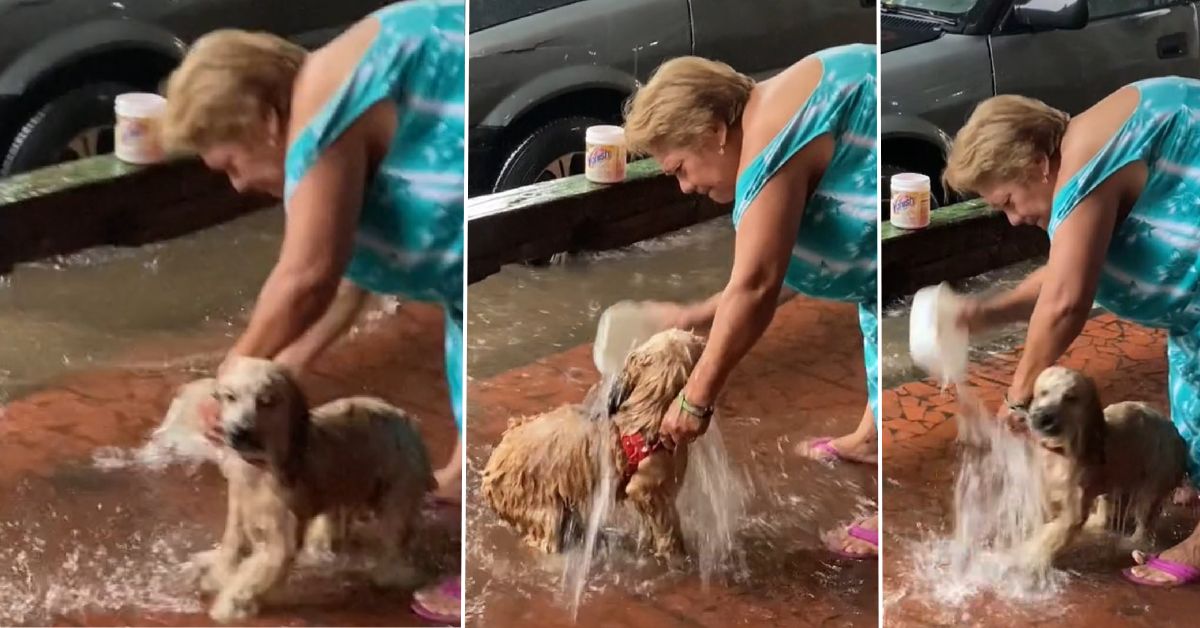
point(997, 507)
point(712, 505)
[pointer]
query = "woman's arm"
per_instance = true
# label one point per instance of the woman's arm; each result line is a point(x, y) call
point(322, 216)
point(762, 251)
point(342, 312)
point(1068, 285)
point(1007, 307)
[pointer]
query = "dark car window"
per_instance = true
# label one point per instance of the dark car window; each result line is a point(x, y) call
point(1099, 9)
point(488, 13)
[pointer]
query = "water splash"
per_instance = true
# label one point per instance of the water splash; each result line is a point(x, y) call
point(39, 583)
point(712, 505)
point(578, 563)
point(179, 440)
point(997, 507)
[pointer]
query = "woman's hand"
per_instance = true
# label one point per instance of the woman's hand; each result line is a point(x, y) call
point(680, 427)
point(1012, 419)
point(973, 315)
point(210, 416)
point(668, 315)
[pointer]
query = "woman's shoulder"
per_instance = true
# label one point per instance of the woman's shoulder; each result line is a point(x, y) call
point(1088, 132)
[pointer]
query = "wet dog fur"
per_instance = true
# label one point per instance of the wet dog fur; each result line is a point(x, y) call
point(297, 477)
point(540, 477)
point(1090, 459)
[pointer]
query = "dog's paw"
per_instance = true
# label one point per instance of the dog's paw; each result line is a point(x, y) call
point(229, 609)
point(201, 561)
point(395, 576)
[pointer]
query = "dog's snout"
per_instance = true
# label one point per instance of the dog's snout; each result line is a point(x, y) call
point(243, 439)
point(1044, 422)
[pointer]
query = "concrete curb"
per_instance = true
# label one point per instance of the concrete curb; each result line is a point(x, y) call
point(962, 240)
point(573, 214)
point(97, 201)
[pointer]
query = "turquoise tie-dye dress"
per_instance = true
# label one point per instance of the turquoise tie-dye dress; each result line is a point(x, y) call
point(1151, 274)
point(409, 240)
point(834, 256)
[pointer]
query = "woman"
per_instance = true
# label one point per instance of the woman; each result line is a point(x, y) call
point(796, 155)
point(1116, 189)
point(363, 140)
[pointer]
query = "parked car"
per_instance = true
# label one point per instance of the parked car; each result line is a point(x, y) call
point(63, 61)
point(541, 71)
point(942, 57)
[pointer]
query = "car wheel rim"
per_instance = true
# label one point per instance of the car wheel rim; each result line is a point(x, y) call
point(89, 143)
point(562, 166)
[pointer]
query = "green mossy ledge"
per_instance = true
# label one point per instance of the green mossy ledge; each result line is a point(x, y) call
point(574, 214)
point(962, 240)
point(103, 201)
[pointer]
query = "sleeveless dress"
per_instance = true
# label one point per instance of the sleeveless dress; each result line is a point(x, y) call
point(834, 256)
point(1151, 273)
point(409, 239)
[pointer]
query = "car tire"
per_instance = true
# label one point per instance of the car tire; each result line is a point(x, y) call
point(62, 129)
point(552, 151)
point(885, 205)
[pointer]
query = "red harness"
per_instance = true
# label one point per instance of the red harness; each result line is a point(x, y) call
point(636, 450)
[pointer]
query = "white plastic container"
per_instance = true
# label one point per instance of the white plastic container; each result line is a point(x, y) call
point(605, 157)
point(622, 327)
point(136, 138)
point(910, 200)
point(935, 340)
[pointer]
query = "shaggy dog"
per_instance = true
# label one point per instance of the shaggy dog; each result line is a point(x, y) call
point(541, 476)
point(1126, 454)
point(287, 467)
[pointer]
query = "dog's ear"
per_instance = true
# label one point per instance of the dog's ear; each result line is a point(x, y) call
point(618, 391)
point(297, 436)
point(1094, 427)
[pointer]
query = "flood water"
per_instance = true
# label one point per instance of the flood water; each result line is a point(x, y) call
point(530, 330)
point(85, 309)
point(94, 346)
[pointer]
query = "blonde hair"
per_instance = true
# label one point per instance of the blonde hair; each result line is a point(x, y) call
point(1004, 137)
point(229, 82)
point(682, 102)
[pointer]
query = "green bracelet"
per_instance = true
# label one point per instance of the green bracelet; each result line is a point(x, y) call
point(1020, 409)
point(704, 413)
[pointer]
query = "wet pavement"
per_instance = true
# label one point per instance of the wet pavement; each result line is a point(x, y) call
point(86, 539)
point(1128, 362)
point(804, 378)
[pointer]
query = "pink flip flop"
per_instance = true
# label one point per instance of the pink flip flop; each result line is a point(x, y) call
point(450, 588)
point(1183, 574)
point(825, 446)
point(863, 534)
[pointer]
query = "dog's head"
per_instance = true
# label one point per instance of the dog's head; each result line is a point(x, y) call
point(263, 414)
point(653, 375)
point(1065, 414)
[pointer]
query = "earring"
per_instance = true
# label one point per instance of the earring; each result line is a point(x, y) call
point(721, 151)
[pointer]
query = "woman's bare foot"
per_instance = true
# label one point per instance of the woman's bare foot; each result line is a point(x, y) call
point(842, 539)
point(1186, 553)
point(857, 446)
point(851, 447)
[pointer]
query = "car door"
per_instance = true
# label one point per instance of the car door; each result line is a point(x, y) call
point(1124, 41)
point(765, 36)
point(310, 23)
